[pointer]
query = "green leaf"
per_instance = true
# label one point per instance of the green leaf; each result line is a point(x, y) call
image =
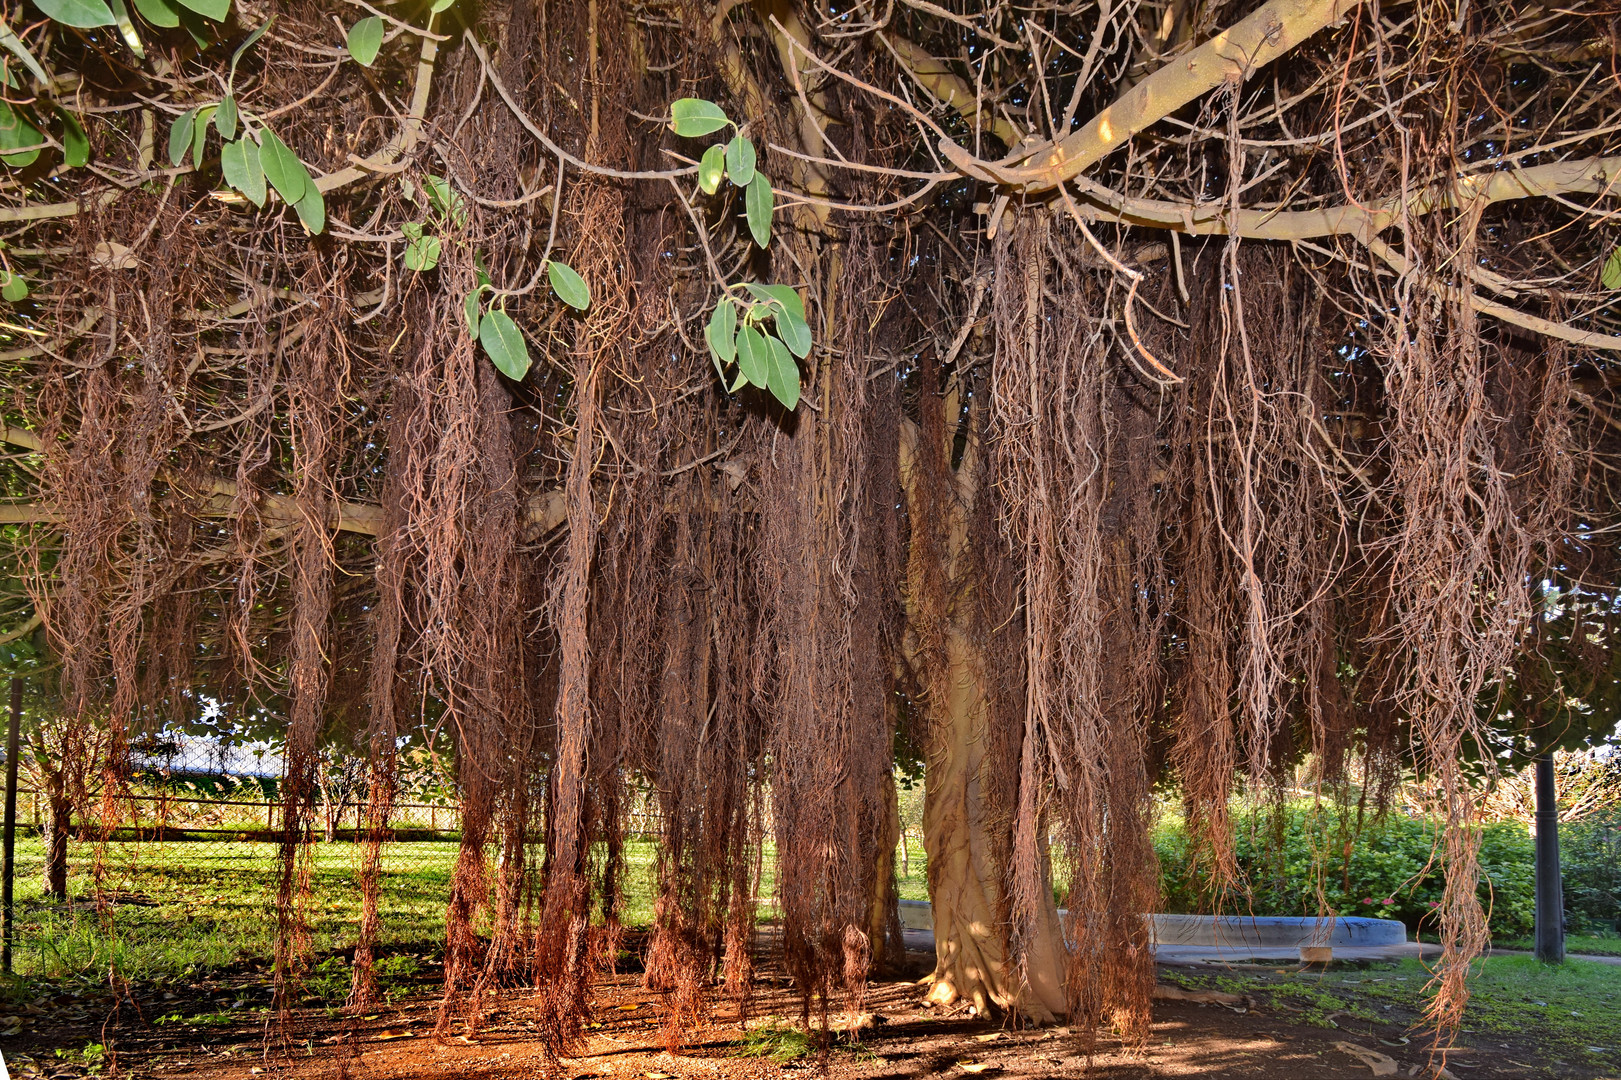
point(14, 287)
point(783, 296)
point(753, 355)
point(126, 28)
point(692, 117)
point(782, 374)
point(312, 209)
point(180, 133)
point(209, 9)
point(412, 230)
point(198, 28)
point(721, 333)
point(365, 38)
point(282, 168)
point(795, 333)
point(439, 5)
point(16, 132)
point(446, 200)
point(503, 342)
point(1611, 274)
point(757, 204)
point(712, 168)
point(479, 271)
point(740, 161)
point(225, 118)
point(199, 133)
point(12, 42)
point(75, 144)
point(422, 253)
point(163, 13)
point(569, 286)
point(470, 310)
point(239, 161)
point(84, 14)
point(248, 43)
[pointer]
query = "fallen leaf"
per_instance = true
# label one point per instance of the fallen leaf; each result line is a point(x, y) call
point(393, 1033)
point(110, 255)
point(1381, 1064)
point(988, 1037)
point(976, 1066)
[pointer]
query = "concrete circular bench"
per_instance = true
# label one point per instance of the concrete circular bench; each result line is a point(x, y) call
point(1238, 931)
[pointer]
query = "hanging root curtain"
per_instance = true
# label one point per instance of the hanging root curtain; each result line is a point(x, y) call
point(1186, 391)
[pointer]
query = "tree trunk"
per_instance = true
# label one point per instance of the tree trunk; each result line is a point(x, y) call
point(884, 916)
point(972, 949)
point(57, 822)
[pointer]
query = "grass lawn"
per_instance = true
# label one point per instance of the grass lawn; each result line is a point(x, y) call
point(182, 908)
point(1571, 1012)
point(1575, 944)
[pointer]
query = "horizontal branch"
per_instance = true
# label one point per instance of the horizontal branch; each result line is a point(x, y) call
point(1231, 57)
point(1580, 176)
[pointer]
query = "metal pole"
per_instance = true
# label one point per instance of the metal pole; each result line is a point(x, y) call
point(8, 853)
point(1550, 892)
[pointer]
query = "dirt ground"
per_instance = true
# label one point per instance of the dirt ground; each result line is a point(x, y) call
point(214, 1032)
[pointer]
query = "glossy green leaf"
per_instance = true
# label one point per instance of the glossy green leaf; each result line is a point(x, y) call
point(479, 270)
point(312, 209)
point(1610, 276)
point(163, 13)
point(503, 343)
point(422, 253)
point(239, 161)
point(199, 133)
point(75, 144)
point(740, 161)
point(84, 14)
point(712, 168)
point(180, 133)
point(783, 296)
point(757, 204)
point(17, 132)
point(126, 28)
point(721, 333)
point(446, 200)
point(14, 288)
point(693, 117)
point(753, 356)
point(282, 168)
point(248, 43)
point(198, 28)
point(440, 5)
point(470, 311)
point(782, 374)
point(795, 333)
point(225, 118)
point(365, 39)
point(209, 9)
point(569, 286)
point(18, 48)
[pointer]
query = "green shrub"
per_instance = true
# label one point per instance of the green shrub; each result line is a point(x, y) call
point(1387, 870)
point(1590, 863)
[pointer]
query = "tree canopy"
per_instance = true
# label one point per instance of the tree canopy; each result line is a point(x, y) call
point(1105, 392)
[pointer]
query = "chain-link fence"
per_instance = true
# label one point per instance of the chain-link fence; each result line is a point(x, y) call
point(180, 874)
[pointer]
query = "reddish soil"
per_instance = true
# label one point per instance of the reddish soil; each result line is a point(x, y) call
point(900, 1039)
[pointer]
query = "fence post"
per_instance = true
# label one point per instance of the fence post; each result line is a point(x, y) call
point(8, 862)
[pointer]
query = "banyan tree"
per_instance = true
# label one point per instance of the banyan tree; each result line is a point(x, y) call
point(1103, 396)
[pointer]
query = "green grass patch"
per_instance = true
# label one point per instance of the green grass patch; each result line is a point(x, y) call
point(778, 1042)
point(1576, 944)
point(1570, 1011)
